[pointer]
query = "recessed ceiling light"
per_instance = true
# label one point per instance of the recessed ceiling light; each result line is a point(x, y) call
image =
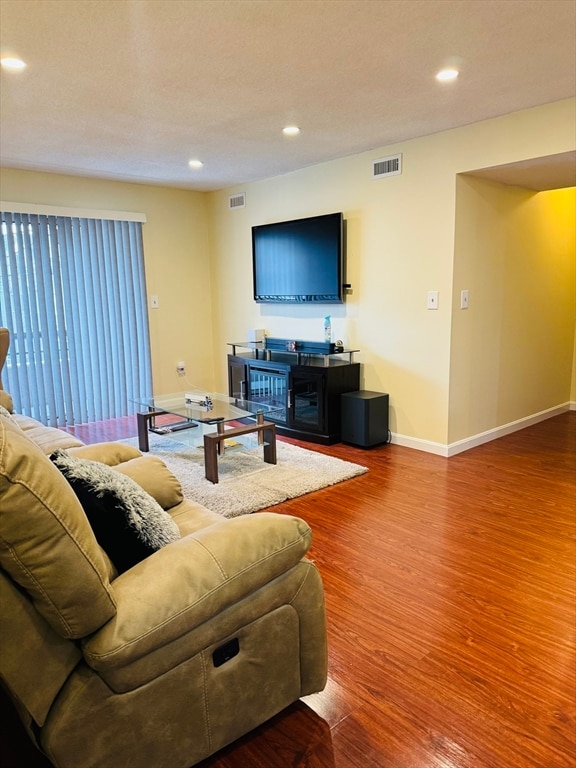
point(446, 75)
point(195, 164)
point(291, 130)
point(13, 64)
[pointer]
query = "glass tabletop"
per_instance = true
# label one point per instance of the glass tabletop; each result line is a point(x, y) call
point(204, 408)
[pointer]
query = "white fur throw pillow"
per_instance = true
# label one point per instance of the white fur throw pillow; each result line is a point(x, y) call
point(128, 523)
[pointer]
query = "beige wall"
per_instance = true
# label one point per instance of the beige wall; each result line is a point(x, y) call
point(176, 255)
point(400, 245)
point(573, 387)
point(513, 348)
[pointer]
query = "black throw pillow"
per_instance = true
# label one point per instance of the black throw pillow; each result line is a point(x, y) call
point(128, 523)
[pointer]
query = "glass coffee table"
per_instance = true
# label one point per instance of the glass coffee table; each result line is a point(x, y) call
point(231, 416)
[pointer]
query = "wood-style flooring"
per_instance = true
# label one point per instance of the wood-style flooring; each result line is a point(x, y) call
point(450, 594)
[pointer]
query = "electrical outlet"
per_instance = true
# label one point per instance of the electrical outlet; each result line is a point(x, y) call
point(432, 299)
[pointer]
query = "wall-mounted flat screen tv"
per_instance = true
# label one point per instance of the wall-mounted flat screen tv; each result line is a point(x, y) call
point(300, 261)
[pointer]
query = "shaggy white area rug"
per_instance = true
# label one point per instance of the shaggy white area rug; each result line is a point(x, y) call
point(246, 483)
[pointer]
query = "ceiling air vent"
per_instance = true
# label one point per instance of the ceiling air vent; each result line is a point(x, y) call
point(387, 166)
point(237, 201)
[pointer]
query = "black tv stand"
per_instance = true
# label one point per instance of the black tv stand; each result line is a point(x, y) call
point(305, 386)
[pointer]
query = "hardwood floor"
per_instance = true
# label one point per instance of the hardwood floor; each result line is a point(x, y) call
point(450, 593)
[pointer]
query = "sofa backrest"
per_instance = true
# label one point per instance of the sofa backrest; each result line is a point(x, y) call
point(5, 399)
point(4, 344)
point(46, 543)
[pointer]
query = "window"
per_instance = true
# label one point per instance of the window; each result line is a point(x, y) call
point(73, 294)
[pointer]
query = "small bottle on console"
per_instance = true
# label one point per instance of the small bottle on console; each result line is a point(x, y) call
point(328, 329)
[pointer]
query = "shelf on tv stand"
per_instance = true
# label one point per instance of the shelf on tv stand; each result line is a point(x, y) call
point(263, 353)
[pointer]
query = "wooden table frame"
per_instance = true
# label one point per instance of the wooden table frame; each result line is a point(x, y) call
point(214, 441)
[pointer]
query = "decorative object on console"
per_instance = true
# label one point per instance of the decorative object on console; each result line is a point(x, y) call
point(299, 345)
point(256, 334)
point(128, 523)
point(327, 329)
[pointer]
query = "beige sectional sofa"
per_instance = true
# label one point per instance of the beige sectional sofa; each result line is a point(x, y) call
point(168, 661)
point(47, 438)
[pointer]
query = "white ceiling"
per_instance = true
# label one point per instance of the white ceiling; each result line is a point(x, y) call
point(132, 89)
point(539, 173)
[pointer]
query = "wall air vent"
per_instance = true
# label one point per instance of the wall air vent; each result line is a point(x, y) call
point(387, 166)
point(237, 201)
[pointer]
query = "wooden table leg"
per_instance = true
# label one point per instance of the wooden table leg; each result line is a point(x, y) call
point(211, 458)
point(220, 447)
point(142, 420)
point(213, 440)
point(269, 434)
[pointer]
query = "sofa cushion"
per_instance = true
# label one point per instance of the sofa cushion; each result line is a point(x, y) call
point(48, 439)
point(45, 537)
point(153, 475)
point(128, 523)
point(149, 472)
point(109, 452)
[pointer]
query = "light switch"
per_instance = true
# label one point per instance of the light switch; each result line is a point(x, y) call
point(154, 302)
point(432, 299)
point(464, 299)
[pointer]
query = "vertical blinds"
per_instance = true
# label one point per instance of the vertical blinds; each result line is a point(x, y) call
point(73, 294)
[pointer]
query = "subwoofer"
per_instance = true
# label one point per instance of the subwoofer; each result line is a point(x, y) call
point(364, 418)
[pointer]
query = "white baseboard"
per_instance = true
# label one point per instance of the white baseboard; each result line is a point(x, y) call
point(452, 449)
point(440, 449)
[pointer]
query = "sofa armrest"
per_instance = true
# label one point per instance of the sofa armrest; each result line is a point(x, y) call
point(187, 582)
point(6, 400)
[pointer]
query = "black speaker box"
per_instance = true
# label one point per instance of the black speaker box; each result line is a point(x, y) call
point(365, 418)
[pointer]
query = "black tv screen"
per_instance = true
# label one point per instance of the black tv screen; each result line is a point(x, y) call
point(300, 261)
